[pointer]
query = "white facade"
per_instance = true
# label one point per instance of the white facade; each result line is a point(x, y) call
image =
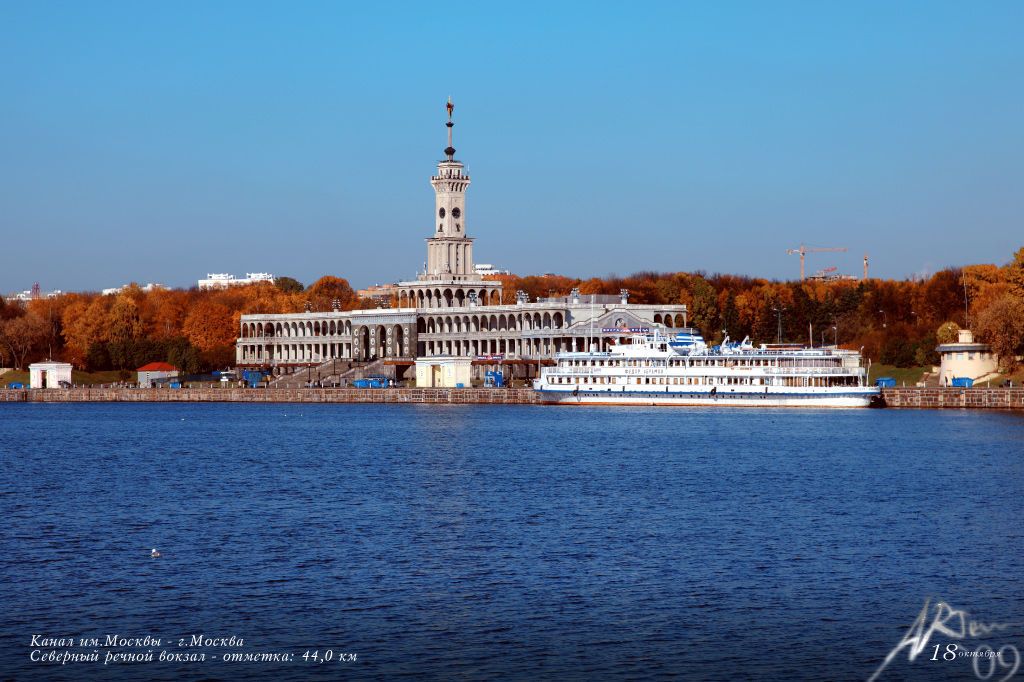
point(965, 359)
point(444, 372)
point(49, 374)
point(449, 311)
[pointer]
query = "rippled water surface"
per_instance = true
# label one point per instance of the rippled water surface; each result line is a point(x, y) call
point(506, 542)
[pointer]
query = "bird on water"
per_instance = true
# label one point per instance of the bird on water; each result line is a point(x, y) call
point(155, 553)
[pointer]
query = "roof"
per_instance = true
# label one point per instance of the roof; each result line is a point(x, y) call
point(954, 347)
point(157, 367)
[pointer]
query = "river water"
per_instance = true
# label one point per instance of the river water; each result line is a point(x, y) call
point(472, 542)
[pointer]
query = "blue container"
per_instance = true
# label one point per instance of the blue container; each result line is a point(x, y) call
point(963, 382)
point(885, 382)
point(494, 380)
point(175, 384)
point(15, 384)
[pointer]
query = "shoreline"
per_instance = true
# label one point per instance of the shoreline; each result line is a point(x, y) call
point(895, 398)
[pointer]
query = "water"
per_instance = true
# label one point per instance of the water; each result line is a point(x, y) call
point(506, 542)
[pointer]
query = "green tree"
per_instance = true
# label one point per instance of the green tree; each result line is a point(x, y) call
point(705, 308)
point(947, 332)
point(731, 316)
point(289, 285)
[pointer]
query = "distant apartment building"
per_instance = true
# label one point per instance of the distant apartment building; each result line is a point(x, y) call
point(33, 294)
point(380, 293)
point(116, 290)
point(222, 281)
point(483, 269)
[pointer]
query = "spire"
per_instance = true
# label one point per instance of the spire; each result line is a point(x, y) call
point(449, 151)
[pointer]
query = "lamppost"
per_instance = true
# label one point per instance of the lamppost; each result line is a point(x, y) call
point(778, 312)
point(885, 319)
point(917, 319)
point(836, 341)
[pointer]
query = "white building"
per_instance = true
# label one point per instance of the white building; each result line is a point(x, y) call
point(220, 281)
point(49, 374)
point(450, 310)
point(965, 359)
point(116, 290)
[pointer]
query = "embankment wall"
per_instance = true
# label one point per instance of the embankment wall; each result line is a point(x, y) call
point(929, 398)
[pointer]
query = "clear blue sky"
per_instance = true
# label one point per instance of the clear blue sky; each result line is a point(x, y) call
point(157, 142)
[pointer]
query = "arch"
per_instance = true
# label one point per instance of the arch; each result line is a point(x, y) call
point(492, 323)
point(399, 336)
point(448, 298)
point(365, 343)
point(557, 320)
point(476, 323)
point(421, 325)
point(511, 322)
point(431, 328)
point(460, 297)
point(547, 320)
point(448, 325)
point(383, 348)
point(495, 298)
point(680, 320)
point(437, 298)
point(502, 323)
point(536, 320)
point(668, 319)
point(657, 318)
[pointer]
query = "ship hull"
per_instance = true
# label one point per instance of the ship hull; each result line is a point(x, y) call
point(862, 398)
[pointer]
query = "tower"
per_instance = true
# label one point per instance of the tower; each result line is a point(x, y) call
point(450, 251)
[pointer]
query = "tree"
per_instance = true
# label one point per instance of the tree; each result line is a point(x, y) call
point(947, 332)
point(210, 327)
point(85, 323)
point(1015, 274)
point(328, 289)
point(705, 307)
point(125, 323)
point(289, 285)
point(1001, 326)
point(21, 335)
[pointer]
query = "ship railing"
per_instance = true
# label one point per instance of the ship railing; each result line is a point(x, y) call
point(811, 370)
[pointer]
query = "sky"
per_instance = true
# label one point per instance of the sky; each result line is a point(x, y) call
point(159, 142)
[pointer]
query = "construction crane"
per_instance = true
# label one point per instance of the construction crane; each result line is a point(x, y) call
point(803, 251)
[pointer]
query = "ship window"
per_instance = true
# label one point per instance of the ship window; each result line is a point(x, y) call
point(577, 380)
point(614, 380)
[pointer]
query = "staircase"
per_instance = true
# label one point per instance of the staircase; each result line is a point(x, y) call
point(334, 373)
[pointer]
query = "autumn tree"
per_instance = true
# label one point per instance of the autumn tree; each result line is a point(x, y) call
point(322, 293)
point(21, 336)
point(210, 328)
point(1001, 326)
point(1015, 274)
point(85, 323)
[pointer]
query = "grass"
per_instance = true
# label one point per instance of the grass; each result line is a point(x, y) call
point(910, 376)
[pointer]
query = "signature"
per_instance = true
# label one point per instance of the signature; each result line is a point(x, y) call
point(955, 623)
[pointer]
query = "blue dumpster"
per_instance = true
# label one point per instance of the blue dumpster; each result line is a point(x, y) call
point(885, 382)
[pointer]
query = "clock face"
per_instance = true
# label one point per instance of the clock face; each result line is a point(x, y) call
point(455, 212)
point(441, 212)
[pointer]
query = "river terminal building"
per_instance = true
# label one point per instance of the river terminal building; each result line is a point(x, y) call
point(450, 310)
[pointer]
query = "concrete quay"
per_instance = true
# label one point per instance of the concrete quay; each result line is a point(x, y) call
point(501, 396)
point(903, 397)
point(968, 398)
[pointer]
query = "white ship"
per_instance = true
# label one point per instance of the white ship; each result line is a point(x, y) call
point(658, 369)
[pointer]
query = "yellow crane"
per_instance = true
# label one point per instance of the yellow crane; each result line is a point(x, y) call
point(803, 251)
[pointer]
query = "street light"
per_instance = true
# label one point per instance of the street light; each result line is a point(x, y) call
point(779, 312)
point(885, 319)
point(836, 341)
point(917, 319)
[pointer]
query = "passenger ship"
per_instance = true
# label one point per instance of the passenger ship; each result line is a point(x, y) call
point(658, 369)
